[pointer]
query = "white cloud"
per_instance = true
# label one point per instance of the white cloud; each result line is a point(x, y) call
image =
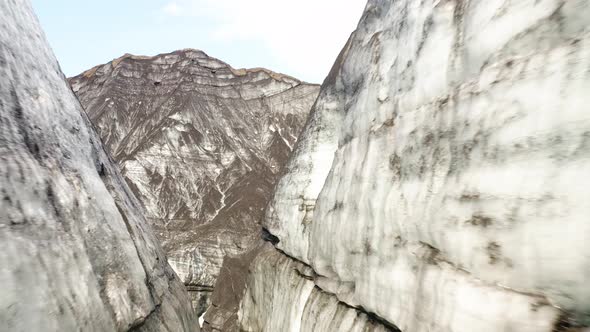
point(172, 9)
point(305, 36)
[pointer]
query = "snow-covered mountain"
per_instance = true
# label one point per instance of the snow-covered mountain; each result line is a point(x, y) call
point(201, 145)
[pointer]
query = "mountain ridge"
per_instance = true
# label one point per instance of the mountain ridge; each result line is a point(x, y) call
point(237, 71)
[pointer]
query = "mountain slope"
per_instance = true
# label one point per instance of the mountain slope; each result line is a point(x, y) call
point(76, 252)
point(201, 144)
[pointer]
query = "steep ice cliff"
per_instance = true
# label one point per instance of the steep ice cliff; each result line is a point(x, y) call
point(201, 144)
point(76, 253)
point(441, 182)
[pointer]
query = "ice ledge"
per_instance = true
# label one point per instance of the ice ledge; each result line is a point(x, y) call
point(281, 295)
point(333, 288)
point(547, 316)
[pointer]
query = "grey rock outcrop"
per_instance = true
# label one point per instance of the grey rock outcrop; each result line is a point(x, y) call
point(441, 182)
point(222, 314)
point(201, 144)
point(76, 252)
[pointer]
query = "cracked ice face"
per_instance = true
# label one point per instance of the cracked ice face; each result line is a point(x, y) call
point(442, 172)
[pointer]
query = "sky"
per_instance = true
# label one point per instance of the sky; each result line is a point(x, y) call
point(301, 38)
